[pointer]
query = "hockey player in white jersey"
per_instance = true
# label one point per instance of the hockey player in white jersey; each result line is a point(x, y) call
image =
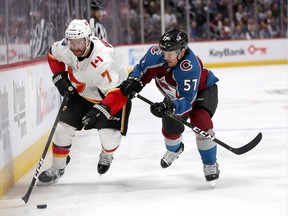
point(84, 68)
point(97, 12)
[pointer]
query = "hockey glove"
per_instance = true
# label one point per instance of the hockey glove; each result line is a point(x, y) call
point(63, 84)
point(130, 86)
point(159, 109)
point(96, 117)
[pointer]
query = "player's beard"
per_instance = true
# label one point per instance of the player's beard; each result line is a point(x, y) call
point(78, 52)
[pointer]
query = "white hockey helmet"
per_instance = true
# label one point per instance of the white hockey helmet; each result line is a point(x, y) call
point(78, 29)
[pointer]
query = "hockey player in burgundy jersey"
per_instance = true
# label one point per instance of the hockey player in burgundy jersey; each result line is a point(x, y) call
point(84, 68)
point(189, 91)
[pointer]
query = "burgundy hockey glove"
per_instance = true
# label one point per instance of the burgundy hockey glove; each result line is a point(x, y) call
point(130, 86)
point(158, 109)
point(63, 84)
point(96, 117)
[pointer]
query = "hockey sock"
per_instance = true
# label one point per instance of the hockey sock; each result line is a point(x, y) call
point(173, 148)
point(208, 156)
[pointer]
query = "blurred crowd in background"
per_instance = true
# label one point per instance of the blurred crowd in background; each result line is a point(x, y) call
point(30, 26)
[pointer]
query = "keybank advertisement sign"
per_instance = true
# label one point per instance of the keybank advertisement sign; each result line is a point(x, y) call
point(241, 51)
point(226, 52)
point(217, 52)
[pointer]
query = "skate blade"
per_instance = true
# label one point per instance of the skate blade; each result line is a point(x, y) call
point(39, 183)
point(213, 183)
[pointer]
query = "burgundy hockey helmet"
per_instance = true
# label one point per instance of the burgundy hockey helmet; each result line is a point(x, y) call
point(173, 39)
point(97, 5)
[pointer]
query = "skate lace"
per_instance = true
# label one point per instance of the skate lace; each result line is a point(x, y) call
point(50, 172)
point(169, 156)
point(105, 159)
point(211, 169)
point(53, 172)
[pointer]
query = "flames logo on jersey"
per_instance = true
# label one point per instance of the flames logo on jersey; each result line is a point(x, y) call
point(156, 50)
point(186, 65)
point(80, 86)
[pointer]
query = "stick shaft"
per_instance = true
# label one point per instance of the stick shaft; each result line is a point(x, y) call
point(237, 151)
point(22, 201)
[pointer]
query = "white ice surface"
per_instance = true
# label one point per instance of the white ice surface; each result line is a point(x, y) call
point(251, 100)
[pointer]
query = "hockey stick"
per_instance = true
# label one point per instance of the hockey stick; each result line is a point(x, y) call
point(22, 201)
point(238, 151)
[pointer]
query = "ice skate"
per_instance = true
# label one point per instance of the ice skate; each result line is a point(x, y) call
point(211, 173)
point(170, 156)
point(104, 163)
point(50, 176)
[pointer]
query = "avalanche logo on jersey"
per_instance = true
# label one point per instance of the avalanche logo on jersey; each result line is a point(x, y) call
point(155, 50)
point(169, 90)
point(186, 65)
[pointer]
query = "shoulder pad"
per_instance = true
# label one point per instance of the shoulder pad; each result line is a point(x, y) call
point(155, 50)
point(64, 42)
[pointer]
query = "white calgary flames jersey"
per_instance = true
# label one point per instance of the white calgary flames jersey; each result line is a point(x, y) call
point(97, 72)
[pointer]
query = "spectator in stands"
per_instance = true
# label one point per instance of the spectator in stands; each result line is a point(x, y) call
point(200, 18)
point(276, 12)
point(194, 33)
point(261, 13)
point(238, 32)
point(226, 31)
point(216, 26)
point(155, 13)
point(264, 31)
point(273, 28)
point(170, 18)
point(250, 29)
point(223, 7)
point(240, 13)
point(153, 19)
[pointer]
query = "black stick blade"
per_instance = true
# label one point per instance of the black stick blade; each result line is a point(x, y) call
point(241, 150)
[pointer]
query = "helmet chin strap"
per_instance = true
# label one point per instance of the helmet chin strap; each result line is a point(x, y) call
point(87, 49)
point(178, 54)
